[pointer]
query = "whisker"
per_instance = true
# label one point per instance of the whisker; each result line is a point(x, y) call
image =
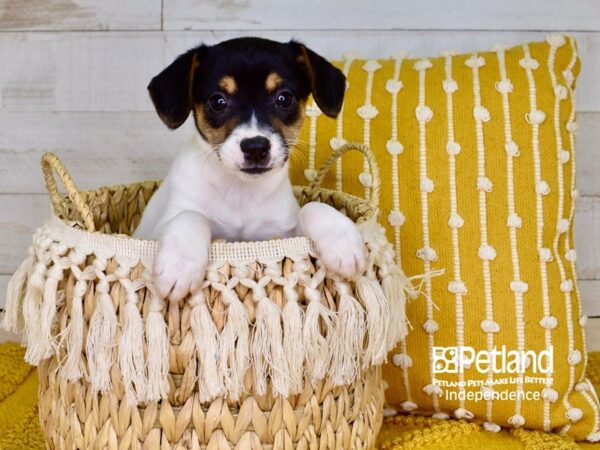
point(299, 156)
point(297, 142)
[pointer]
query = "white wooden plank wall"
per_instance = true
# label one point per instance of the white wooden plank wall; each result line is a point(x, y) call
point(73, 76)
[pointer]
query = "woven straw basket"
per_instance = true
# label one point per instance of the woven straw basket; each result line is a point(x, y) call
point(273, 352)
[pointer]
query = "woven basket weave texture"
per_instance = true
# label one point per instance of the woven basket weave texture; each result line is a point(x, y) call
point(273, 352)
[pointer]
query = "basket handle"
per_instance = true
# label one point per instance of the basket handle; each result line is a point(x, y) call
point(371, 160)
point(50, 164)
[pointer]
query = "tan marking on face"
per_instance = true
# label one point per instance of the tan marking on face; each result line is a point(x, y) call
point(193, 68)
point(214, 136)
point(228, 84)
point(290, 132)
point(303, 58)
point(273, 81)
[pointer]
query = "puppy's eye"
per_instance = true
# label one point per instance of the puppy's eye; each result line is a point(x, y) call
point(218, 103)
point(285, 99)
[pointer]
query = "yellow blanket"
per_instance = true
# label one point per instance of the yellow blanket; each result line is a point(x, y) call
point(19, 427)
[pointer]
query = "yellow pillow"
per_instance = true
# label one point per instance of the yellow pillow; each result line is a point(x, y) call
point(477, 160)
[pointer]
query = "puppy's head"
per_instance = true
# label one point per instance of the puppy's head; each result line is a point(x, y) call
point(247, 96)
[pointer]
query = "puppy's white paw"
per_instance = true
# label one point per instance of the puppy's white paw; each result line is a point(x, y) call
point(177, 272)
point(343, 253)
point(338, 242)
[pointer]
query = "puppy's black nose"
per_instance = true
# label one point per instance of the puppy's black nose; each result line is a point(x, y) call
point(256, 149)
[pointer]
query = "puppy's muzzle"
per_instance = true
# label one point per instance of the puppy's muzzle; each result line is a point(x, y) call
point(256, 152)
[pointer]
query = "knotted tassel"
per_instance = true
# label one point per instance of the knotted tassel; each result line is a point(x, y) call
point(206, 338)
point(131, 345)
point(157, 342)
point(100, 344)
point(395, 284)
point(234, 343)
point(268, 357)
point(371, 296)
point(319, 329)
point(32, 304)
point(349, 337)
point(393, 288)
point(293, 345)
point(74, 368)
point(15, 292)
point(48, 310)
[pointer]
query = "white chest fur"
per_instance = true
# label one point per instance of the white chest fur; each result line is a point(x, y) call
point(236, 208)
point(201, 200)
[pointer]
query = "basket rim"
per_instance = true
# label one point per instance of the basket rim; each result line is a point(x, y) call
point(122, 245)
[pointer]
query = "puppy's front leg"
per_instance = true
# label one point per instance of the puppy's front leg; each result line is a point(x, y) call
point(337, 240)
point(180, 263)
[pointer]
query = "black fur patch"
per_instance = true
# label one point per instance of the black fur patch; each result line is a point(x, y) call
point(190, 81)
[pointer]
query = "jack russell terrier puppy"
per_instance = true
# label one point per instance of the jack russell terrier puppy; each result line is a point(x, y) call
point(248, 97)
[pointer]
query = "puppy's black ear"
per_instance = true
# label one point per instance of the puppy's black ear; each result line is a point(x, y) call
point(327, 82)
point(171, 90)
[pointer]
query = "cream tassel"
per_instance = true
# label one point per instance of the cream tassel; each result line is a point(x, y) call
point(48, 310)
point(15, 292)
point(157, 343)
point(31, 312)
point(74, 368)
point(293, 345)
point(234, 342)
point(206, 337)
point(319, 329)
point(370, 294)
point(100, 344)
point(347, 350)
point(393, 288)
point(267, 342)
point(395, 284)
point(131, 349)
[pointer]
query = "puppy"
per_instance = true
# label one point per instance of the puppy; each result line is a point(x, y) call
point(247, 97)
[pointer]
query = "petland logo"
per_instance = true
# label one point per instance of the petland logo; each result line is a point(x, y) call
point(457, 359)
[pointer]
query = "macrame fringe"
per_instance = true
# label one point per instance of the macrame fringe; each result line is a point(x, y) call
point(206, 338)
point(268, 356)
point(15, 292)
point(234, 344)
point(157, 343)
point(48, 311)
point(351, 328)
point(100, 344)
point(317, 333)
point(32, 304)
point(281, 347)
point(370, 294)
point(74, 367)
point(293, 345)
point(131, 353)
point(394, 289)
